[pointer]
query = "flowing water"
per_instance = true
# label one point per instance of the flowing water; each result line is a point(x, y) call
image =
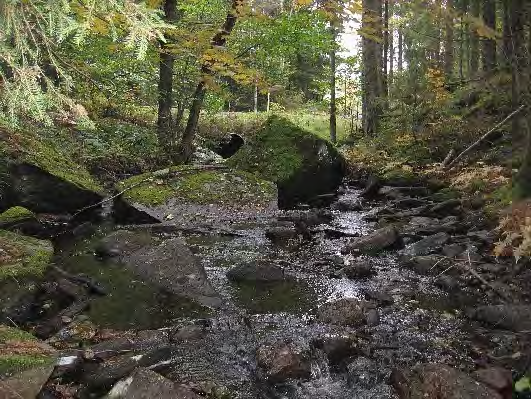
point(424, 323)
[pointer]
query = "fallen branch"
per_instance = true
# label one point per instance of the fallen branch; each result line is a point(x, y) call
point(484, 137)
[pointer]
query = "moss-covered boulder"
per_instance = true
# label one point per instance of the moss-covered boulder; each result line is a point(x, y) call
point(194, 195)
point(25, 363)
point(22, 256)
point(302, 164)
point(36, 173)
point(15, 216)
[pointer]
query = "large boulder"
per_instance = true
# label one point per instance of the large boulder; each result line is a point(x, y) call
point(168, 264)
point(25, 364)
point(195, 196)
point(291, 157)
point(36, 174)
point(439, 381)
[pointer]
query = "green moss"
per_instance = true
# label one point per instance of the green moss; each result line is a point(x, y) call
point(197, 186)
point(46, 154)
point(446, 194)
point(13, 359)
point(15, 214)
point(23, 256)
point(275, 152)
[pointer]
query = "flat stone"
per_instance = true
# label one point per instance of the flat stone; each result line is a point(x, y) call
point(427, 245)
point(506, 316)
point(376, 242)
point(257, 272)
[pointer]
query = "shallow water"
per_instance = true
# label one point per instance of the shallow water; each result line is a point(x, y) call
point(423, 324)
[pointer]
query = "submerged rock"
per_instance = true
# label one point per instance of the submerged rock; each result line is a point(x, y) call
point(195, 196)
point(376, 242)
point(365, 373)
point(25, 364)
point(439, 381)
point(169, 264)
point(283, 361)
point(359, 270)
point(291, 157)
point(257, 272)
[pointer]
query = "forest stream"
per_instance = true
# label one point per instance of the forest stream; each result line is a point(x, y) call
point(311, 322)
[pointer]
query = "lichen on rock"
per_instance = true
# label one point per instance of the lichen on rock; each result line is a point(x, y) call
point(16, 214)
point(22, 256)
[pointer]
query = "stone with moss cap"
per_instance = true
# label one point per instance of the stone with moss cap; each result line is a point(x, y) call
point(176, 194)
point(25, 363)
point(302, 164)
point(37, 174)
point(15, 215)
point(22, 256)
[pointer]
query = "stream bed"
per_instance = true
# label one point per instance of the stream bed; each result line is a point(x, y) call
point(224, 352)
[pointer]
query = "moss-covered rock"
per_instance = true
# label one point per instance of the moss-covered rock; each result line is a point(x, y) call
point(302, 164)
point(164, 195)
point(15, 214)
point(22, 256)
point(20, 351)
point(37, 174)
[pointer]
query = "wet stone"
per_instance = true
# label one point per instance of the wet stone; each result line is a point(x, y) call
point(359, 270)
point(257, 272)
point(497, 378)
point(364, 372)
point(347, 205)
point(427, 245)
point(348, 312)
point(507, 316)
point(283, 361)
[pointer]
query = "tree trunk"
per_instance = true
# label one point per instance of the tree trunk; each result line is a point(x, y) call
point(474, 41)
point(385, 77)
point(489, 45)
point(256, 98)
point(400, 51)
point(333, 104)
point(165, 129)
point(521, 95)
point(185, 149)
point(391, 72)
point(507, 33)
point(371, 66)
point(449, 42)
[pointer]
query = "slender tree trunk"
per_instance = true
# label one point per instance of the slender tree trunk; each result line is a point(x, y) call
point(521, 94)
point(255, 98)
point(268, 101)
point(391, 72)
point(333, 103)
point(474, 41)
point(400, 51)
point(507, 33)
point(185, 149)
point(371, 66)
point(165, 131)
point(385, 73)
point(489, 45)
point(449, 42)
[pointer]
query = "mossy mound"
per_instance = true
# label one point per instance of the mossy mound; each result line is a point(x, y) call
point(22, 256)
point(20, 351)
point(301, 163)
point(198, 186)
point(187, 195)
point(37, 174)
point(15, 214)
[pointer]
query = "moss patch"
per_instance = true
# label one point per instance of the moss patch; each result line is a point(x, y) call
point(16, 214)
point(275, 152)
point(21, 351)
point(197, 186)
point(22, 256)
point(26, 147)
